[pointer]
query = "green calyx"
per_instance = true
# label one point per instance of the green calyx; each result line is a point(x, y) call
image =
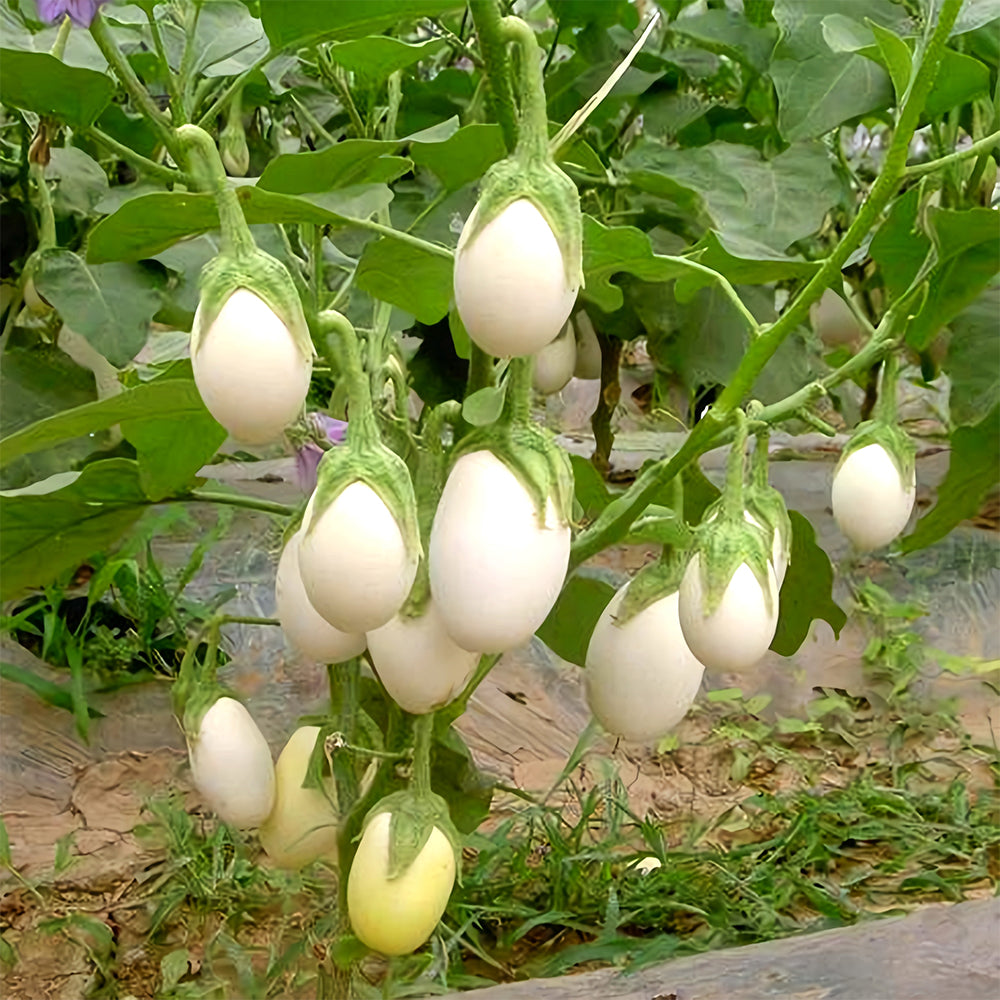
point(893, 439)
point(536, 177)
point(652, 583)
point(373, 464)
point(764, 503)
point(413, 819)
point(532, 455)
point(724, 541)
point(257, 272)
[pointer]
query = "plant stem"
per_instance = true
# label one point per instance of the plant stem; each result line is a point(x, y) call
point(235, 500)
point(140, 96)
point(187, 76)
point(396, 234)
point(480, 370)
point(984, 145)
point(493, 45)
point(237, 83)
point(724, 285)
point(62, 37)
point(338, 79)
point(533, 123)
point(140, 162)
point(613, 521)
point(173, 86)
point(247, 620)
point(423, 735)
point(517, 405)
point(732, 497)
point(207, 164)
point(46, 217)
point(361, 413)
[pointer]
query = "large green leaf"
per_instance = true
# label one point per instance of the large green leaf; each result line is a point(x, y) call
point(353, 161)
point(406, 276)
point(971, 472)
point(148, 225)
point(37, 81)
point(375, 58)
point(772, 202)
point(45, 533)
point(973, 361)
point(745, 262)
point(730, 34)
point(464, 157)
point(960, 80)
point(111, 305)
point(571, 621)
point(608, 251)
point(293, 21)
point(806, 593)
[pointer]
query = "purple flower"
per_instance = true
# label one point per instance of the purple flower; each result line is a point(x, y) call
point(307, 457)
point(81, 12)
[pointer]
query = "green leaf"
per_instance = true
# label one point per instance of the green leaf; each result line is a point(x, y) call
point(406, 276)
point(37, 81)
point(817, 94)
point(960, 80)
point(173, 966)
point(462, 158)
point(484, 405)
point(571, 621)
point(730, 34)
point(148, 225)
point(50, 692)
point(745, 262)
point(772, 202)
point(968, 255)
point(289, 22)
point(66, 520)
point(807, 591)
point(352, 161)
point(459, 335)
point(589, 488)
point(609, 251)
point(377, 57)
point(162, 399)
point(896, 56)
point(899, 246)
point(175, 440)
point(973, 360)
point(972, 470)
point(111, 305)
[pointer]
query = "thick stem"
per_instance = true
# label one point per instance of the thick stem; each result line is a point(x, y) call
point(235, 500)
point(984, 145)
point(361, 413)
point(140, 162)
point(732, 497)
point(480, 370)
point(607, 402)
point(140, 96)
point(493, 46)
point(423, 736)
point(758, 466)
point(206, 163)
point(46, 217)
point(885, 408)
point(614, 520)
point(533, 122)
point(517, 405)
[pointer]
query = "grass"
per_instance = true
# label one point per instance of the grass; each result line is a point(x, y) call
point(870, 803)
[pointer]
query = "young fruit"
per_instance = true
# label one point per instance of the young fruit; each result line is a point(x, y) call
point(304, 627)
point(495, 570)
point(354, 562)
point(231, 765)
point(641, 677)
point(871, 502)
point(588, 348)
point(396, 916)
point(738, 632)
point(419, 663)
point(510, 281)
point(554, 362)
point(302, 826)
point(251, 374)
point(833, 320)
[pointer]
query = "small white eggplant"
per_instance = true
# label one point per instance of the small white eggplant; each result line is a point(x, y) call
point(871, 503)
point(588, 348)
point(510, 282)
point(302, 826)
point(418, 661)
point(495, 570)
point(231, 765)
point(353, 560)
point(252, 376)
point(739, 631)
point(641, 678)
point(304, 627)
point(554, 363)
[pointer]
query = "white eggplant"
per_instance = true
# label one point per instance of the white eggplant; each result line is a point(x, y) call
point(871, 503)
